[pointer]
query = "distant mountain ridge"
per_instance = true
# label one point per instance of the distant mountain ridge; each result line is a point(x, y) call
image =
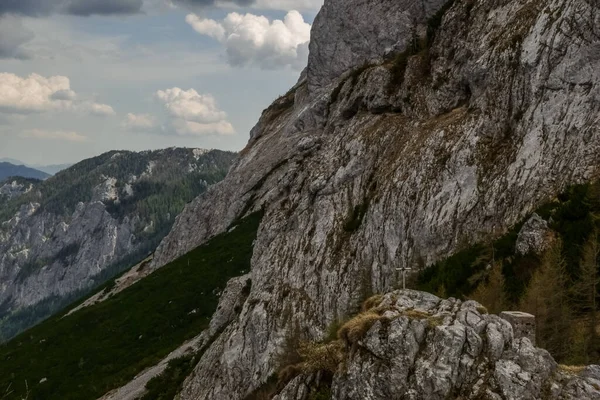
point(64, 236)
point(9, 170)
point(50, 169)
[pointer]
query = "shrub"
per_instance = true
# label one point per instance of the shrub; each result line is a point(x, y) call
point(321, 356)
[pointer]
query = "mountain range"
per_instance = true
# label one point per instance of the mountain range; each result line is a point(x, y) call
point(9, 170)
point(62, 237)
point(452, 143)
point(48, 169)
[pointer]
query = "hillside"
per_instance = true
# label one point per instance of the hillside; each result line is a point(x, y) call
point(8, 170)
point(456, 138)
point(62, 237)
point(418, 130)
point(85, 354)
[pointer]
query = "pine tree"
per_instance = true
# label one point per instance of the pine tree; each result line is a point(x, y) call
point(490, 292)
point(547, 298)
point(585, 295)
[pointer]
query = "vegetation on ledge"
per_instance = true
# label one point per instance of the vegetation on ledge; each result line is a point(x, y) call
point(560, 287)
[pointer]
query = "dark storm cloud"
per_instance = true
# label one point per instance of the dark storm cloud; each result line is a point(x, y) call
point(12, 36)
point(36, 8)
point(32, 8)
point(103, 7)
point(204, 3)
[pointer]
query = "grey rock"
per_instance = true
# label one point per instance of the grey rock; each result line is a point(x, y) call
point(13, 189)
point(534, 237)
point(443, 356)
point(500, 121)
point(348, 34)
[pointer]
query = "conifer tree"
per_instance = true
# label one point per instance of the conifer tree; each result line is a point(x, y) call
point(547, 298)
point(585, 295)
point(490, 292)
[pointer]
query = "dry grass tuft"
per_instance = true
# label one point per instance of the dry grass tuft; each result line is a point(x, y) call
point(371, 302)
point(313, 357)
point(288, 373)
point(482, 310)
point(416, 314)
point(356, 328)
point(432, 322)
point(571, 369)
point(321, 357)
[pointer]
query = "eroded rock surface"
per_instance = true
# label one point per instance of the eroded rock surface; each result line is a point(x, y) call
point(396, 164)
point(534, 237)
point(452, 350)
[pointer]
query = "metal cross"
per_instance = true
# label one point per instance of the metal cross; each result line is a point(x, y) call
point(404, 270)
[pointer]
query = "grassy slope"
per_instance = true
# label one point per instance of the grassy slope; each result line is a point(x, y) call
point(102, 347)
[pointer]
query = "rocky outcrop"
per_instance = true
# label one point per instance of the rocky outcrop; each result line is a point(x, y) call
point(13, 189)
point(353, 33)
point(534, 237)
point(427, 348)
point(397, 162)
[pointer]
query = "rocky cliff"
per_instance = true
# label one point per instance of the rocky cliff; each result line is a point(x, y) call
point(413, 345)
point(418, 126)
point(62, 237)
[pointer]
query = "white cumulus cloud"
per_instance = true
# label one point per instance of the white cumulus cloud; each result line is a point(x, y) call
point(192, 113)
point(53, 135)
point(254, 40)
point(143, 122)
point(101, 110)
point(38, 94)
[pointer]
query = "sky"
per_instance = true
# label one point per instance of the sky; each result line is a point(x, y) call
point(82, 77)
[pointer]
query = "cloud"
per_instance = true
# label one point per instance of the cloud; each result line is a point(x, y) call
point(252, 40)
point(140, 122)
point(53, 135)
point(286, 5)
point(38, 94)
point(192, 113)
point(209, 3)
point(12, 36)
point(37, 8)
point(100, 110)
point(186, 128)
point(289, 4)
point(104, 7)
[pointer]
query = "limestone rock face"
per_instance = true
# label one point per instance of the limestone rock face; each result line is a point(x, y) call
point(396, 164)
point(50, 253)
point(452, 350)
point(41, 244)
point(13, 189)
point(347, 34)
point(534, 236)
